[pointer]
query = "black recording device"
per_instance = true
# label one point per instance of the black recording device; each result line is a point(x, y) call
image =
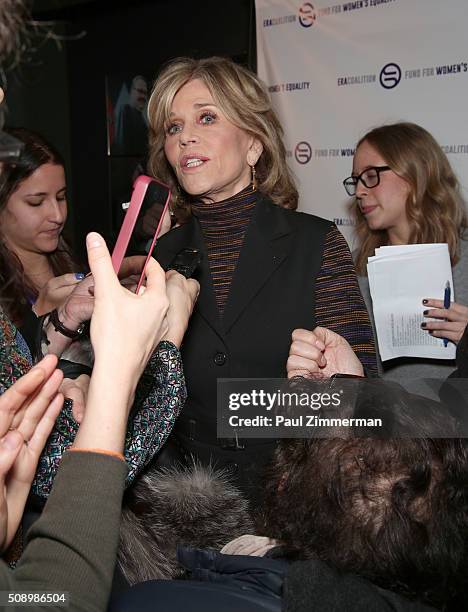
point(186, 262)
point(10, 147)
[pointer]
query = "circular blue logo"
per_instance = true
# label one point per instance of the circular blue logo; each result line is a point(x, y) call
point(307, 15)
point(303, 152)
point(390, 75)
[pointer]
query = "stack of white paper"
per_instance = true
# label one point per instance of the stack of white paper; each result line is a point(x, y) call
point(400, 277)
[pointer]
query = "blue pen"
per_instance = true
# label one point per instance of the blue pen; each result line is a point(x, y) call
point(447, 295)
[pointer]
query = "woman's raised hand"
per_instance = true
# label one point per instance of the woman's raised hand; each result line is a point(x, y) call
point(28, 410)
point(125, 327)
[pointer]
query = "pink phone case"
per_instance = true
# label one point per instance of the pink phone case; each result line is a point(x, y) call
point(140, 187)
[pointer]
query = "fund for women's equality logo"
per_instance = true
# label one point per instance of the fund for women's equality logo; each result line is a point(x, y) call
point(307, 15)
point(390, 75)
point(303, 152)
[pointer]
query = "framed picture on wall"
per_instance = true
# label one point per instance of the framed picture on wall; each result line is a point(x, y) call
point(122, 174)
point(126, 103)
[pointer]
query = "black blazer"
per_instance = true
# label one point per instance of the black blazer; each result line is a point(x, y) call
point(272, 293)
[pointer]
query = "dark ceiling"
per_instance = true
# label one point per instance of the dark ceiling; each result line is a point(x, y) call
point(40, 6)
point(69, 9)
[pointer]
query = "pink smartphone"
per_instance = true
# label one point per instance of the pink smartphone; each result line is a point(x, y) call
point(143, 220)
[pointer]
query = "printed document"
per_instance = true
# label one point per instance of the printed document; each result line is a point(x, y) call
point(400, 277)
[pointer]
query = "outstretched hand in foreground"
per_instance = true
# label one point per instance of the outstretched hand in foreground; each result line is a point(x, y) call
point(28, 410)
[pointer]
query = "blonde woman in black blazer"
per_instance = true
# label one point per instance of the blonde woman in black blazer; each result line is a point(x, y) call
point(266, 269)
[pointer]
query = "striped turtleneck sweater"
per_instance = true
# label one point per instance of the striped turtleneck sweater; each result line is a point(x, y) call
point(224, 225)
point(338, 300)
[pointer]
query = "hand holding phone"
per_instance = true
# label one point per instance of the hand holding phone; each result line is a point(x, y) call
point(143, 220)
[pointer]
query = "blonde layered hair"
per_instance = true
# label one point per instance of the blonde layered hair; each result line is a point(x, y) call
point(243, 99)
point(435, 208)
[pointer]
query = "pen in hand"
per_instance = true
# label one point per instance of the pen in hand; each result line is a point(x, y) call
point(447, 295)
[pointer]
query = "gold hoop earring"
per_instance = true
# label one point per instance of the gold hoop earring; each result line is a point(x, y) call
point(254, 177)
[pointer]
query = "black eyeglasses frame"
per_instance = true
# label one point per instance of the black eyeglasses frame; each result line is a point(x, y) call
point(356, 179)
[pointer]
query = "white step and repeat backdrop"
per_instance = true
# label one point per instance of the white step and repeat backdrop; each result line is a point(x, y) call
point(336, 70)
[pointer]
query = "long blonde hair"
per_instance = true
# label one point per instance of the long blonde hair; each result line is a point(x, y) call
point(435, 208)
point(243, 98)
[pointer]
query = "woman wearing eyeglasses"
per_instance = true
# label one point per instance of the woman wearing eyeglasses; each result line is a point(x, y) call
point(407, 193)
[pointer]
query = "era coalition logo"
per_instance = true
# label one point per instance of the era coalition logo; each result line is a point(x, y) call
point(303, 152)
point(390, 75)
point(307, 15)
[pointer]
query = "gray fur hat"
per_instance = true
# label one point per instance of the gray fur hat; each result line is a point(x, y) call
point(195, 506)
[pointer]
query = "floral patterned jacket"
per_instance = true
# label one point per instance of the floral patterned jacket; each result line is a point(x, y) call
point(159, 397)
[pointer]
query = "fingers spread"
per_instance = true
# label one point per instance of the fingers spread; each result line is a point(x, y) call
point(44, 426)
point(10, 446)
point(14, 398)
point(39, 404)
